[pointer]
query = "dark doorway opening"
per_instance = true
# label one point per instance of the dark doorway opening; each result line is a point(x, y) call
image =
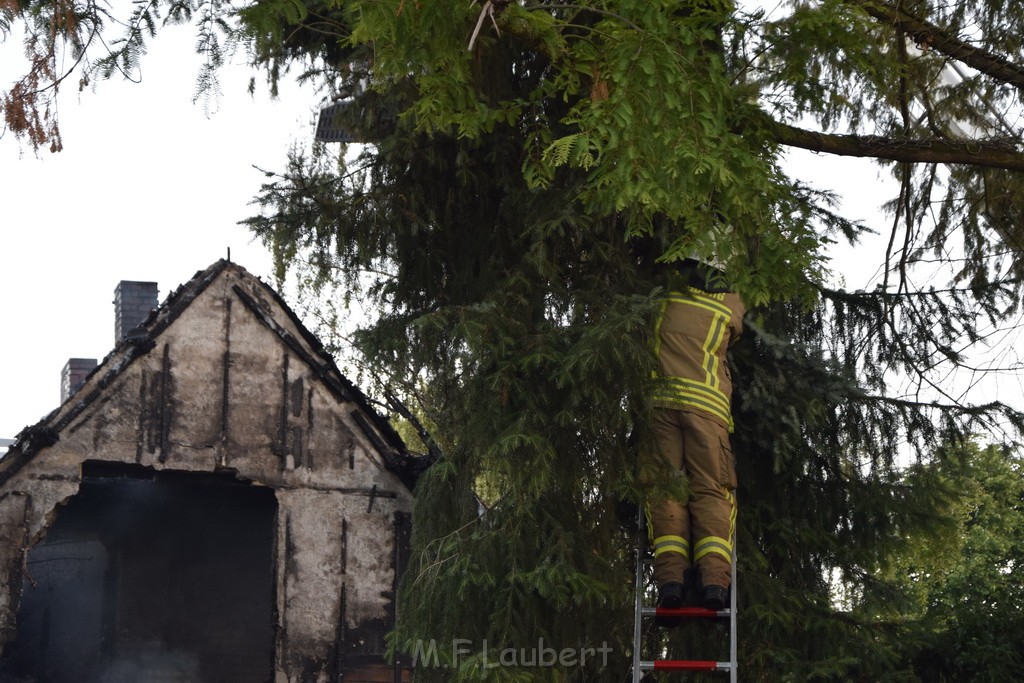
point(149, 575)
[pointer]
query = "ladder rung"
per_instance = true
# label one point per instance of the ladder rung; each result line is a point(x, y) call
point(699, 612)
point(684, 665)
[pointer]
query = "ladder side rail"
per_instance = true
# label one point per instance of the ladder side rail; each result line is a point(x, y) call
point(638, 594)
point(733, 655)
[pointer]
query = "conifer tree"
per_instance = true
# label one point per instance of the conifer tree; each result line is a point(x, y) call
point(528, 164)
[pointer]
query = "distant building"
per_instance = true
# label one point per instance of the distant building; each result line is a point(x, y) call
point(214, 501)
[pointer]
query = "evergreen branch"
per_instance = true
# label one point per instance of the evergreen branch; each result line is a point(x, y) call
point(425, 436)
point(596, 10)
point(340, 29)
point(929, 35)
point(846, 295)
point(975, 410)
point(109, 63)
point(914, 361)
point(986, 154)
point(55, 83)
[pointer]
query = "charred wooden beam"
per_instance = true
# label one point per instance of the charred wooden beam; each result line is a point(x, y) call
point(225, 407)
point(166, 382)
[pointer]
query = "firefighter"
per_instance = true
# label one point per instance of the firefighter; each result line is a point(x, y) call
point(690, 425)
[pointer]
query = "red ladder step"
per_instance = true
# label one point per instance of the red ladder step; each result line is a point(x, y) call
point(684, 665)
point(696, 612)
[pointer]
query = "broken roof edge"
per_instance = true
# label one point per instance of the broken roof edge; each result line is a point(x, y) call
point(139, 341)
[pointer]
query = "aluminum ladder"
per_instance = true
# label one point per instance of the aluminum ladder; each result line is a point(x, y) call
point(641, 666)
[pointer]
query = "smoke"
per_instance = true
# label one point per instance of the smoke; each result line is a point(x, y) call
point(150, 661)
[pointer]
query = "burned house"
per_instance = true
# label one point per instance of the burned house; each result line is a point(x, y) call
point(215, 502)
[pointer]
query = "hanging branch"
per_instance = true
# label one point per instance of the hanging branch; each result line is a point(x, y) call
point(934, 37)
point(987, 154)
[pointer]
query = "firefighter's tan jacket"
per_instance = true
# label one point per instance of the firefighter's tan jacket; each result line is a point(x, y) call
point(692, 335)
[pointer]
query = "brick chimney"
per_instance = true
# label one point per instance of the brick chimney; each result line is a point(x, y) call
point(132, 303)
point(73, 376)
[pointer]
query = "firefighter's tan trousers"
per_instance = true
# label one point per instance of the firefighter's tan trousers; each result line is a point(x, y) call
point(699, 530)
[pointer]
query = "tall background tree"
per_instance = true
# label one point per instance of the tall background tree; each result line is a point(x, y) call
point(529, 164)
point(962, 586)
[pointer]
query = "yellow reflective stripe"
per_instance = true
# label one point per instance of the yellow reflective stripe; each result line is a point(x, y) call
point(676, 402)
point(713, 549)
point(696, 297)
point(713, 544)
point(694, 400)
point(715, 300)
point(666, 546)
point(711, 345)
point(679, 547)
point(698, 292)
point(677, 539)
point(727, 544)
point(692, 386)
point(713, 306)
point(716, 544)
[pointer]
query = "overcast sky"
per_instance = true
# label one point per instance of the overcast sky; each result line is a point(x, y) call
point(148, 187)
point(151, 186)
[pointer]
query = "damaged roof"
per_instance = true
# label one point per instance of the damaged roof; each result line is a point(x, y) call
point(141, 340)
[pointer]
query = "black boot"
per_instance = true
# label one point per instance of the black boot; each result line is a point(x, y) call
point(714, 597)
point(670, 595)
